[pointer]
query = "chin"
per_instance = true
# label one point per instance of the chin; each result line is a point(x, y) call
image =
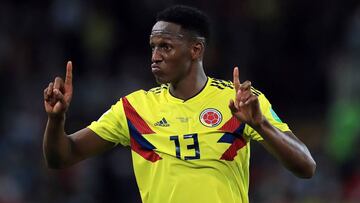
point(161, 81)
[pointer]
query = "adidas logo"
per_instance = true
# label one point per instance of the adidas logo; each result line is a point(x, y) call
point(162, 123)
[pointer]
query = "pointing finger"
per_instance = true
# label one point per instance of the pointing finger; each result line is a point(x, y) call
point(68, 77)
point(236, 80)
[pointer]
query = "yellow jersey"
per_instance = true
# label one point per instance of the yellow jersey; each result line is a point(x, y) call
point(185, 151)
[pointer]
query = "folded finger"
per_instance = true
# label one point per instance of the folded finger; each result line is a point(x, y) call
point(59, 83)
point(245, 85)
point(245, 95)
point(48, 92)
point(251, 99)
point(46, 96)
point(50, 88)
point(59, 96)
point(232, 107)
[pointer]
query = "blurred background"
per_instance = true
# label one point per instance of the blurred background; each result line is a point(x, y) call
point(304, 55)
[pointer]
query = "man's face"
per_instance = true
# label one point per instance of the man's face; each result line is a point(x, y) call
point(171, 55)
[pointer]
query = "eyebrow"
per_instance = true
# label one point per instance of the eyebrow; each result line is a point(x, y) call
point(162, 39)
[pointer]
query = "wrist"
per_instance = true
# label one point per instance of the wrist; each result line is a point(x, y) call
point(56, 117)
point(259, 124)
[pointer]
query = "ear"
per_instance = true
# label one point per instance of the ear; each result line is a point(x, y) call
point(197, 50)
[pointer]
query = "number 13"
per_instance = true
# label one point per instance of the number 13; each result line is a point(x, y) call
point(194, 146)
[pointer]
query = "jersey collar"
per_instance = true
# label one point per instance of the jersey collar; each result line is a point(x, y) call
point(194, 98)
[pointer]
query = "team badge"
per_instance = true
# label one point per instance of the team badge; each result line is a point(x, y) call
point(210, 117)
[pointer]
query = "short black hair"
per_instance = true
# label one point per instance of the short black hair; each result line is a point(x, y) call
point(189, 18)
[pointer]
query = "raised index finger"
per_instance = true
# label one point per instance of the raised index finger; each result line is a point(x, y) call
point(68, 77)
point(236, 79)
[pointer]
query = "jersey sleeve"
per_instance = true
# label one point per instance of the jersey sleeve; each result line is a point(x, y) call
point(270, 115)
point(112, 125)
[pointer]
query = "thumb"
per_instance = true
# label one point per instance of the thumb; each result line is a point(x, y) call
point(232, 106)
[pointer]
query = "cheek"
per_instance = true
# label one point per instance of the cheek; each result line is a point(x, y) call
point(180, 65)
point(180, 59)
point(177, 64)
point(185, 62)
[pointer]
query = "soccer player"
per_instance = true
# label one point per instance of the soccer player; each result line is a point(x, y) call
point(189, 136)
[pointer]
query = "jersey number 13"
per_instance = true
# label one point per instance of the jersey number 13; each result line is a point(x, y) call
point(193, 146)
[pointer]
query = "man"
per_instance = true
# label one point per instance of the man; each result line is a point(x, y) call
point(190, 136)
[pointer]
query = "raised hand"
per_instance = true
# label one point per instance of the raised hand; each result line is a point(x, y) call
point(245, 107)
point(58, 94)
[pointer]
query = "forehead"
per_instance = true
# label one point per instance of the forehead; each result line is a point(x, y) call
point(162, 26)
point(170, 32)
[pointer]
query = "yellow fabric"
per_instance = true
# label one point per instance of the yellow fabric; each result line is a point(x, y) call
point(199, 174)
point(112, 125)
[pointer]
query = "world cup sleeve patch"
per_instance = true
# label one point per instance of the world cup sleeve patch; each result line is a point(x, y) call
point(275, 116)
point(210, 117)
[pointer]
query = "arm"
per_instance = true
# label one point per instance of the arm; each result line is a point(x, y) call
point(285, 146)
point(62, 150)
point(288, 149)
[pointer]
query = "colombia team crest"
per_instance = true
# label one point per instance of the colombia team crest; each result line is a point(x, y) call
point(210, 117)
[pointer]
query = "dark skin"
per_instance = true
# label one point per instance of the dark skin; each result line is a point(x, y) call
point(178, 61)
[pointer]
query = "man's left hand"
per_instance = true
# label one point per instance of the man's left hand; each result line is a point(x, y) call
point(245, 107)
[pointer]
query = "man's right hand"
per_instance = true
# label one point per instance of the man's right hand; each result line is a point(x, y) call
point(57, 96)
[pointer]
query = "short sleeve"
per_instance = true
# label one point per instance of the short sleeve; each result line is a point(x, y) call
point(270, 115)
point(112, 125)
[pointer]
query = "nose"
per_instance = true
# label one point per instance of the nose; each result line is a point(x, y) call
point(156, 56)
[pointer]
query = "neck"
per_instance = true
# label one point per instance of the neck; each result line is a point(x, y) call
point(190, 85)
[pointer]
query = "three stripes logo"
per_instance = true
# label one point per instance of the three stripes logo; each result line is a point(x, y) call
point(162, 123)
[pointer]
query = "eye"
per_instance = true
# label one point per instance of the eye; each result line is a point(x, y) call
point(165, 47)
